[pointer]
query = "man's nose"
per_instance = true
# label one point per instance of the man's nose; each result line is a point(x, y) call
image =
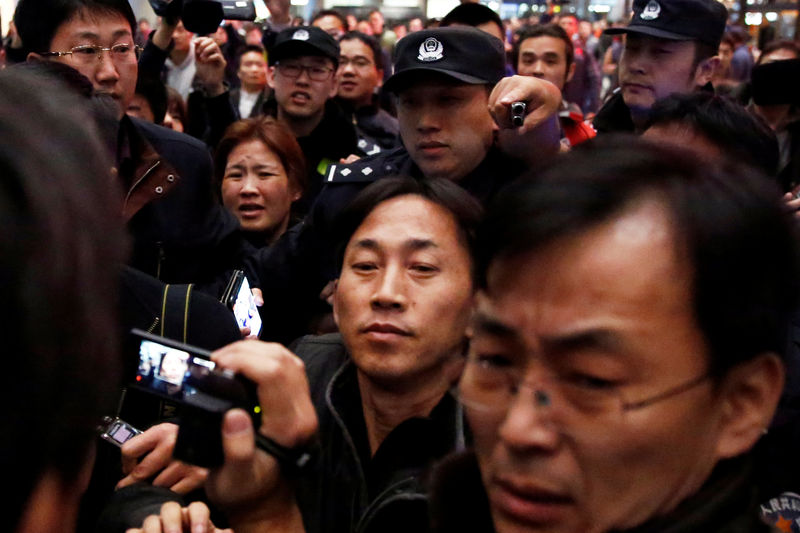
point(106, 69)
point(528, 424)
point(249, 187)
point(389, 290)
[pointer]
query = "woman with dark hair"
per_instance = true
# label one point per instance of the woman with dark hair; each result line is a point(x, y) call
point(261, 172)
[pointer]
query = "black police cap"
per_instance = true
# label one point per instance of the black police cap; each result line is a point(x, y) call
point(303, 41)
point(467, 54)
point(679, 20)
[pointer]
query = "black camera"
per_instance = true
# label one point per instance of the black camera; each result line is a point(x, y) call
point(203, 16)
point(186, 376)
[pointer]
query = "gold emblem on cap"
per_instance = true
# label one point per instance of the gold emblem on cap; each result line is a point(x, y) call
point(651, 11)
point(431, 50)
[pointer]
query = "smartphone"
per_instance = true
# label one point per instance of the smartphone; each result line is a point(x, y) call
point(116, 431)
point(239, 298)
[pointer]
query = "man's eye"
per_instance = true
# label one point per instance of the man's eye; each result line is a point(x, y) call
point(318, 70)
point(85, 50)
point(590, 382)
point(493, 361)
point(121, 48)
point(364, 267)
point(424, 268)
point(232, 176)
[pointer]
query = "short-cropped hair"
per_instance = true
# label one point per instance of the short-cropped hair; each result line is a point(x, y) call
point(738, 133)
point(729, 224)
point(466, 210)
point(37, 21)
point(544, 30)
point(370, 42)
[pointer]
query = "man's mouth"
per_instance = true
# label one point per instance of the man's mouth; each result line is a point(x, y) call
point(431, 147)
point(528, 503)
point(300, 97)
point(385, 330)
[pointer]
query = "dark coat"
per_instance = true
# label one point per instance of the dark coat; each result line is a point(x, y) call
point(354, 492)
point(180, 232)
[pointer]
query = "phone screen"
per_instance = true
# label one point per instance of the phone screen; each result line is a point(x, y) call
point(245, 310)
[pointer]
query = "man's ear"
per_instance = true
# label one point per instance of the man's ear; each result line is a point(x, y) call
point(335, 88)
point(705, 70)
point(570, 73)
point(271, 77)
point(380, 77)
point(336, 301)
point(750, 395)
point(33, 56)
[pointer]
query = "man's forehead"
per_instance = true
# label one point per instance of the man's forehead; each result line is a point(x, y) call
point(548, 42)
point(96, 21)
point(359, 49)
point(641, 39)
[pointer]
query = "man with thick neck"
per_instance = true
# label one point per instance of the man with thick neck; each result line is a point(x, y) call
point(670, 47)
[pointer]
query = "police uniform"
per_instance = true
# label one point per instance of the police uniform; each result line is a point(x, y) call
point(678, 20)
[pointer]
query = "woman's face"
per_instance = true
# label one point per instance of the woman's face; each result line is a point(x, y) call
point(256, 189)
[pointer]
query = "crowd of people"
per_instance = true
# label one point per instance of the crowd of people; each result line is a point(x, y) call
point(538, 276)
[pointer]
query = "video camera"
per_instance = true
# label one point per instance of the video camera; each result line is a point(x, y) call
point(187, 376)
point(204, 16)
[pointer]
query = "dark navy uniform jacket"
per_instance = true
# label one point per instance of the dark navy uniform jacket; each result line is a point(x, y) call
point(293, 272)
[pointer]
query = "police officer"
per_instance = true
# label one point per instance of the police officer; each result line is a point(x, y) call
point(446, 82)
point(670, 47)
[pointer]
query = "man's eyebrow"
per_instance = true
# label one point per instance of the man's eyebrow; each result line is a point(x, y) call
point(491, 325)
point(590, 339)
point(410, 244)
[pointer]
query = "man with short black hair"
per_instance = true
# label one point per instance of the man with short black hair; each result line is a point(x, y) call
point(626, 347)
point(180, 231)
point(545, 51)
point(252, 73)
point(332, 21)
point(670, 47)
point(360, 78)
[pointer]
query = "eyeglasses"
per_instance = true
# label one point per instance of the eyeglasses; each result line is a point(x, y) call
point(294, 70)
point(357, 62)
point(579, 406)
point(88, 54)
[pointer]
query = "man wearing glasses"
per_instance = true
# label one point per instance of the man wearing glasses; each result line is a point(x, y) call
point(360, 76)
point(302, 73)
point(625, 350)
point(165, 176)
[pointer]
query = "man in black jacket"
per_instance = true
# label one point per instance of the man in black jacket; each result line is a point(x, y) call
point(180, 232)
point(670, 47)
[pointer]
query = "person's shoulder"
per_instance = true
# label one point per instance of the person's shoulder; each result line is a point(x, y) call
point(369, 168)
point(321, 354)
